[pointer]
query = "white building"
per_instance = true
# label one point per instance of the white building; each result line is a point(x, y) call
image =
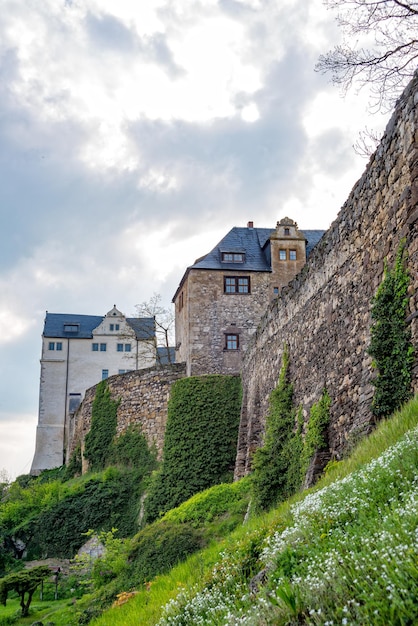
point(77, 352)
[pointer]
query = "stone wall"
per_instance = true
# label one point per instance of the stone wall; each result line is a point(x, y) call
point(143, 398)
point(324, 314)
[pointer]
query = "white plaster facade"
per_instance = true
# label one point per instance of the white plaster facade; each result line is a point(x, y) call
point(77, 352)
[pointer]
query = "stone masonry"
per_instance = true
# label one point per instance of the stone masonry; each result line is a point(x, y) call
point(324, 313)
point(143, 398)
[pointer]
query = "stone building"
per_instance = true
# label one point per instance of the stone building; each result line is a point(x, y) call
point(77, 352)
point(223, 295)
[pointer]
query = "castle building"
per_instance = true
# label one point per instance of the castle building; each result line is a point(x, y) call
point(77, 352)
point(223, 295)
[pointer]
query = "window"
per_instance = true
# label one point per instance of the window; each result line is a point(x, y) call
point(236, 284)
point(233, 257)
point(282, 255)
point(292, 255)
point(122, 371)
point(113, 326)
point(71, 328)
point(287, 231)
point(231, 342)
point(275, 290)
point(95, 347)
point(102, 347)
point(105, 374)
point(55, 346)
point(119, 347)
point(127, 347)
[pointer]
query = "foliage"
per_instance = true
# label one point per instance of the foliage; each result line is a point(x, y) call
point(387, 62)
point(315, 438)
point(275, 464)
point(99, 439)
point(158, 547)
point(74, 465)
point(130, 449)
point(106, 502)
point(346, 554)
point(24, 583)
point(200, 440)
point(213, 503)
point(390, 344)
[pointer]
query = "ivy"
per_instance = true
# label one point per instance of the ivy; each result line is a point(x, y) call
point(390, 344)
point(200, 440)
point(99, 440)
point(276, 464)
point(315, 438)
point(130, 449)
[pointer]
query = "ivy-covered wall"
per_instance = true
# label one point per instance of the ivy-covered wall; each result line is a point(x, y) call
point(200, 440)
point(324, 315)
point(141, 397)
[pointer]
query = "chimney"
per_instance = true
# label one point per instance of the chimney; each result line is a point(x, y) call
point(250, 225)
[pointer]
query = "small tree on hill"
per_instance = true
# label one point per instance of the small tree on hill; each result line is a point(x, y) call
point(24, 583)
point(390, 344)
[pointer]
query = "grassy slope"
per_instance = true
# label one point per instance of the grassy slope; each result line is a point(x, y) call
point(343, 553)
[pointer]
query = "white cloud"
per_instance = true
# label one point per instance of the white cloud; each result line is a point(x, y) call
point(134, 135)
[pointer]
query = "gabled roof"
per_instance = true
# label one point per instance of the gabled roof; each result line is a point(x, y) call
point(81, 326)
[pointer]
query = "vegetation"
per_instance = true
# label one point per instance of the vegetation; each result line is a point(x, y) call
point(200, 440)
point(316, 438)
point(24, 583)
point(99, 440)
point(276, 463)
point(343, 553)
point(390, 344)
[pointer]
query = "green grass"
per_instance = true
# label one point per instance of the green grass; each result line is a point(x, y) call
point(341, 553)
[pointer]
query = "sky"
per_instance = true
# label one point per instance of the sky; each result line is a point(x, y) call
point(133, 136)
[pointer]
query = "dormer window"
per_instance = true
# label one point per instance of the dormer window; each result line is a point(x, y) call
point(233, 257)
point(71, 328)
point(287, 231)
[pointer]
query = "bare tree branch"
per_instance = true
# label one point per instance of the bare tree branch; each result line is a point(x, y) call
point(387, 57)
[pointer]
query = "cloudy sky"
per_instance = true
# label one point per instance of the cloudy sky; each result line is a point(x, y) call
point(133, 136)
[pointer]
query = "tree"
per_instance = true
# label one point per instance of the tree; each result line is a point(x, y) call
point(390, 344)
point(24, 582)
point(164, 326)
point(379, 49)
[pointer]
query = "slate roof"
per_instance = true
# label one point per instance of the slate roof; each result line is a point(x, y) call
point(84, 325)
point(255, 243)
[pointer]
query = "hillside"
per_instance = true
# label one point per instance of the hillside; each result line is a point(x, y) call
point(344, 552)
